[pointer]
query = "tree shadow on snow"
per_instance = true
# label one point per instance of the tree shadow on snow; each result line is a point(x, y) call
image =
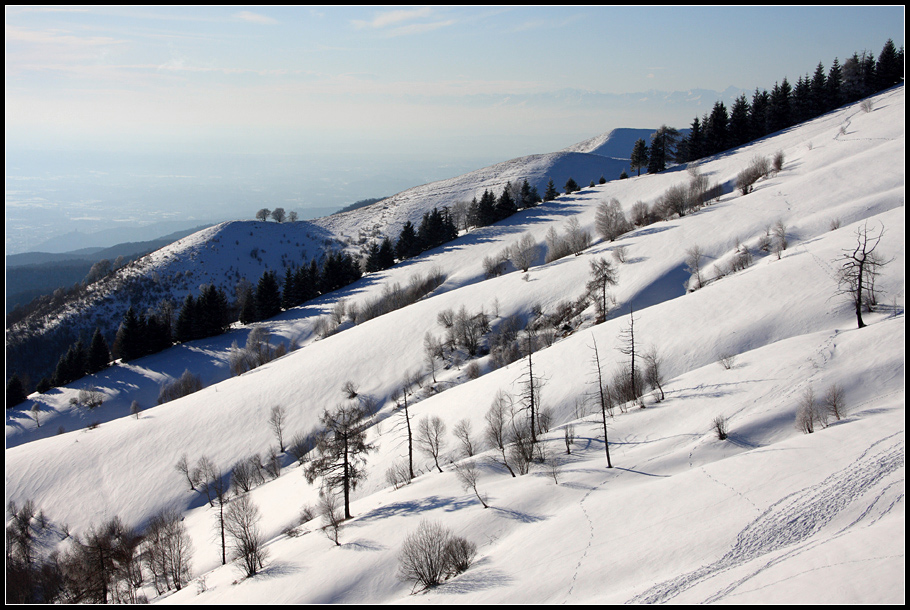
point(417, 506)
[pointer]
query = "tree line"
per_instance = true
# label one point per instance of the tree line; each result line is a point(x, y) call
point(786, 105)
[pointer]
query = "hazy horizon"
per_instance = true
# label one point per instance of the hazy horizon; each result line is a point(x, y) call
point(120, 116)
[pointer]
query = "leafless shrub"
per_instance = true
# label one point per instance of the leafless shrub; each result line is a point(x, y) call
point(866, 106)
point(331, 513)
point(778, 162)
point(431, 554)
point(472, 370)
point(727, 360)
point(184, 385)
point(720, 427)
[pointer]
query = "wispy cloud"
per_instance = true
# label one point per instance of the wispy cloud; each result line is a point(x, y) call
point(404, 22)
point(255, 18)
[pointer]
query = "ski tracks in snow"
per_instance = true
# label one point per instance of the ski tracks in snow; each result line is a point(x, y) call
point(795, 519)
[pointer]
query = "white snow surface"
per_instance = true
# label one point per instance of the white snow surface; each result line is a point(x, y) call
point(769, 515)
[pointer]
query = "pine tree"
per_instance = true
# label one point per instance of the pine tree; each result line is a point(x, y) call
point(130, 341)
point(640, 156)
point(341, 452)
point(268, 296)
point(386, 257)
point(889, 70)
point(505, 205)
point(571, 186)
point(15, 392)
point(716, 138)
point(408, 245)
point(818, 92)
point(694, 142)
point(739, 121)
point(834, 95)
point(550, 194)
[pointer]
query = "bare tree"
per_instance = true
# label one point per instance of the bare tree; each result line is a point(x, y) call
point(834, 401)
point(276, 423)
point(467, 474)
point(632, 387)
point(605, 400)
point(263, 214)
point(653, 375)
point(856, 277)
point(278, 215)
point(242, 523)
point(183, 467)
point(569, 437)
point(168, 550)
point(331, 513)
point(524, 252)
point(497, 417)
point(462, 432)
point(808, 412)
point(610, 221)
point(341, 452)
point(430, 437)
point(694, 257)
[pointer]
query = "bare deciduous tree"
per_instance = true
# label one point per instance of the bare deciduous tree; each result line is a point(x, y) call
point(276, 423)
point(859, 266)
point(610, 221)
point(524, 252)
point(242, 524)
point(430, 437)
point(605, 402)
point(467, 474)
point(694, 257)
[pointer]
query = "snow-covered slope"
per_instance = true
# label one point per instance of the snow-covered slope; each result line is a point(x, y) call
point(606, 155)
point(769, 515)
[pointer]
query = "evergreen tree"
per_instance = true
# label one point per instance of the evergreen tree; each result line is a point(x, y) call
point(408, 245)
point(505, 205)
point(800, 100)
point(486, 209)
point(694, 142)
point(213, 311)
point(571, 186)
point(739, 121)
point(248, 313)
point(99, 354)
point(550, 194)
point(289, 289)
point(130, 341)
point(640, 156)
point(268, 296)
point(386, 258)
point(663, 145)
point(889, 70)
point(184, 329)
point(780, 113)
point(15, 392)
point(758, 114)
point(834, 95)
point(818, 92)
point(716, 138)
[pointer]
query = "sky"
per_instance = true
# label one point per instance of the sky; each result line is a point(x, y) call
point(433, 80)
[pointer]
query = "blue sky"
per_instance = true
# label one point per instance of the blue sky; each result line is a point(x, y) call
point(277, 79)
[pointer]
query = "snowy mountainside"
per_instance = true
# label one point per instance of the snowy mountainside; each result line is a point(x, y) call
point(606, 155)
point(769, 515)
point(617, 143)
